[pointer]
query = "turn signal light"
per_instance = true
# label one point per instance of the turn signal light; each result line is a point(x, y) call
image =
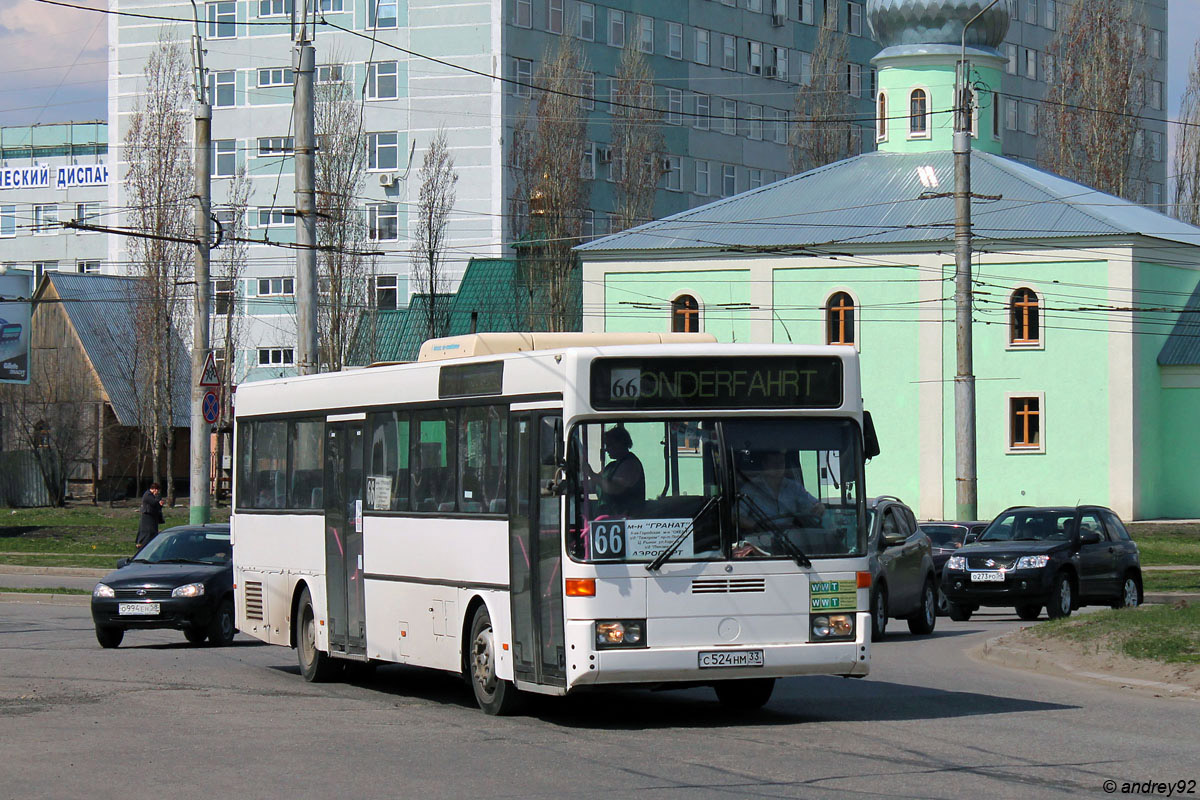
point(581, 587)
point(864, 580)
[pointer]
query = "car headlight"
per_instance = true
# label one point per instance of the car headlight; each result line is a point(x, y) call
point(188, 590)
point(1032, 562)
point(620, 633)
point(957, 562)
point(826, 627)
point(103, 590)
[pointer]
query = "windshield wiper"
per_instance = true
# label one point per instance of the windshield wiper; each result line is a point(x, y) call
point(777, 533)
point(662, 557)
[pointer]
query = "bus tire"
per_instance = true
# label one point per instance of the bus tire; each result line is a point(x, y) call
point(497, 697)
point(748, 694)
point(315, 666)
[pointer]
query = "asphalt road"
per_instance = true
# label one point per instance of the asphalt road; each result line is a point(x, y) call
point(158, 718)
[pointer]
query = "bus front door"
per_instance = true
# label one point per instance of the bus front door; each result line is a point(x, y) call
point(535, 548)
point(344, 537)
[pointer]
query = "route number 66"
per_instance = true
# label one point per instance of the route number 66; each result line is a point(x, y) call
point(608, 538)
point(626, 384)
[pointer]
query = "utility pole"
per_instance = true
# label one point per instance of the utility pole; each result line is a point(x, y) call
point(303, 62)
point(201, 431)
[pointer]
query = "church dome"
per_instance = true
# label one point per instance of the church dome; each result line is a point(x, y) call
point(937, 22)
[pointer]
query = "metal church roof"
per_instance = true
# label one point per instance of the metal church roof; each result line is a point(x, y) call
point(894, 198)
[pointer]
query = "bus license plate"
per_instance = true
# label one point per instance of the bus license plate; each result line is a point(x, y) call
point(731, 658)
point(987, 577)
point(138, 609)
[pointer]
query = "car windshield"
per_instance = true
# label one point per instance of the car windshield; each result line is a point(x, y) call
point(726, 488)
point(190, 546)
point(946, 536)
point(1030, 524)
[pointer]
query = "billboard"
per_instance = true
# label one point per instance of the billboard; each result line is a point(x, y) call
point(14, 329)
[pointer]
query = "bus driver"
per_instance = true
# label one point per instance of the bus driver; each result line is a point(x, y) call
point(770, 502)
point(621, 483)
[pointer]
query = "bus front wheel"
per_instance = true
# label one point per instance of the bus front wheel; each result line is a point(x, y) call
point(495, 696)
point(748, 694)
point(315, 666)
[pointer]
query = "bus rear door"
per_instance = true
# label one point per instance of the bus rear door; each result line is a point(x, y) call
point(344, 535)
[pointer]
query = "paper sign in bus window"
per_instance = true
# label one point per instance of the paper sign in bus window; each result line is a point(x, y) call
point(638, 539)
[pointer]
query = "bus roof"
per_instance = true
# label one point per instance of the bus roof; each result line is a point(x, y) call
point(482, 344)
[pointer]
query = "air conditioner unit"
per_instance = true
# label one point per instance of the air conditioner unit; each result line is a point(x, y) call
point(604, 155)
point(664, 164)
point(387, 179)
point(779, 19)
point(770, 71)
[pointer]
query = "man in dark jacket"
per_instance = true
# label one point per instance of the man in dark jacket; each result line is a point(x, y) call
point(150, 517)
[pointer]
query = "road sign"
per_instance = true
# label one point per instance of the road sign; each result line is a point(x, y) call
point(210, 406)
point(209, 377)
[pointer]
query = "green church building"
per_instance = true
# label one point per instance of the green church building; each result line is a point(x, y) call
point(1086, 306)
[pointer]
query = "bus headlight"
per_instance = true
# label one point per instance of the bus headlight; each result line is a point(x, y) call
point(829, 627)
point(620, 633)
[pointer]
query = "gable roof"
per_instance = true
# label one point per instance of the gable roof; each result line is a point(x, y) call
point(879, 198)
point(1182, 348)
point(101, 310)
point(490, 291)
point(377, 337)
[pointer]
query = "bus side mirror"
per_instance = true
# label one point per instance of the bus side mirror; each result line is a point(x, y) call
point(870, 440)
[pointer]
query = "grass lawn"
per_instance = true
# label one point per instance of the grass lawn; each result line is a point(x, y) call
point(42, 590)
point(1166, 544)
point(63, 560)
point(1182, 581)
point(1157, 633)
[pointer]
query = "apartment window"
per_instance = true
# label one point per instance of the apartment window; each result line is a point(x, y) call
point(386, 295)
point(1024, 317)
point(729, 114)
point(45, 219)
point(268, 287)
point(685, 314)
point(1031, 12)
point(806, 12)
point(645, 34)
point(274, 8)
point(674, 107)
point(274, 218)
point(779, 63)
point(1010, 52)
point(854, 79)
point(8, 220)
point(674, 40)
point(754, 121)
point(672, 174)
point(40, 268)
point(854, 13)
point(754, 5)
point(616, 28)
point(728, 180)
point(383, 151)
point(87, 267)
point(995, 115)
point(275, 76)
point(220, 88)
point(728, 52)
point(1155, 46)
point(587, 229)
point(224, 157)
point(1010, 115)
point(754, 178)
point(329, 6)
point(1029, 118)
point(1154, 94)
point(918, 113)
point(275, 356)
point(1025, 423)
point(523, 74)
point(587, 161)
point(1154, 145)
point(754, 58)
point(382, 80)
point(1048, 67)
point(222, 20)
point(382, 13)
point(781, 126)
point(276, 146)
point(87, 212)
point(839, 319)
point(1048, 14)
point(587, 22)
point(830, 20)
point(700, 54)
point(588, 90)
point(222, 295)
point(805, 68)
point(383, 222)
point(1031, 64)
point(702, 178)
point(881, 119)
point(523, 13)
point(1156, 195)
point(702, 122)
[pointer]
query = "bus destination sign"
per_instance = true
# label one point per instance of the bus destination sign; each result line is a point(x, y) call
point(662, 384)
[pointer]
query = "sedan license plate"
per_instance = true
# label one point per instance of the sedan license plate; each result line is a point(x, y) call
point(987, 577)
point(731, 658)
point(138, 609)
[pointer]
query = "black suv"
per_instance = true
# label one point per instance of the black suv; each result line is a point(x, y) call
point(1060, 558)
point(903, 582)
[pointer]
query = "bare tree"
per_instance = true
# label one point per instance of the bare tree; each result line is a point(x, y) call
point(343, 271)
point(550, 195)
point(637, 140)
point(159, 180)
point(824, 130)
point(1187, 148)
point(1089, 118)
point(434, 204)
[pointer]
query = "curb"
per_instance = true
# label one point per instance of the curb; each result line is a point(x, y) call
point(36, 598)
point(1164, 598)
point(64, 572)
point(1015, 657)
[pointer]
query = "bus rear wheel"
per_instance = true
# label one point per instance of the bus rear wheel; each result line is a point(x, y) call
point(495, 696)
point(315, 666)
point(748, 694)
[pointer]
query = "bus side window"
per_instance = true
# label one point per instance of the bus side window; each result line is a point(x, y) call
point(433, 460)
point(482, 450)
point(388, 478)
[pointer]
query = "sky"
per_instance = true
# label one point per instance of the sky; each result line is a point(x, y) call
point(54, 60)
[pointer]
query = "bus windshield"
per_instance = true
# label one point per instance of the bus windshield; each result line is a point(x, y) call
point(775, 488)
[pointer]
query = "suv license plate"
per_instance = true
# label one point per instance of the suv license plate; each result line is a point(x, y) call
point(138, 609)
point(731, 658)
point(987, 577)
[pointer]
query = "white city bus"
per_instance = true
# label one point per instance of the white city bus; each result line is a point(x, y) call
point(478, 512)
